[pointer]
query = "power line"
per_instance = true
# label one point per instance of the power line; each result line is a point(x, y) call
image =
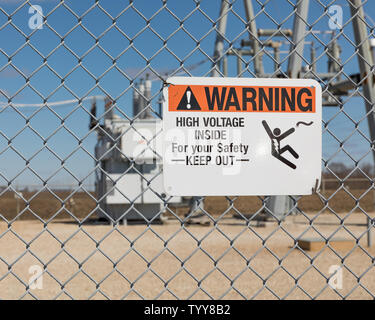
point(51, 104)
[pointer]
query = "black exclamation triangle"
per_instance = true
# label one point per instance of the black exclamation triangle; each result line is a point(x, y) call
point(188, 101)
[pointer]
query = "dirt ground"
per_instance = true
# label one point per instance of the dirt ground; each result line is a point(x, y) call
point(50, 204)
point(167, 261)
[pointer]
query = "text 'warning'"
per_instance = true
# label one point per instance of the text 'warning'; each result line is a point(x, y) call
point(241, 98)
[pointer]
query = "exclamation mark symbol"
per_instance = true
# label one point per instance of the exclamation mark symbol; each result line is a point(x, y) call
point(188, 96)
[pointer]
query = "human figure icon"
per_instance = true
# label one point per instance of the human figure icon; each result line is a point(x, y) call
point(276, 136)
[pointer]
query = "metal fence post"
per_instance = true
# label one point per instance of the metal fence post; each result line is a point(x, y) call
point(282, 205)
point(366, 65)
point(299, 33)
point(219, 43)
point(249, 11)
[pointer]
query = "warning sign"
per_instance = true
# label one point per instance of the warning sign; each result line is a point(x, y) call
point(237, 136)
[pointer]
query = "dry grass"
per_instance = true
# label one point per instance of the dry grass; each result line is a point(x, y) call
point(48, 205)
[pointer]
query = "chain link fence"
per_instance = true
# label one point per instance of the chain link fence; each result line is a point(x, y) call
point(80, 81)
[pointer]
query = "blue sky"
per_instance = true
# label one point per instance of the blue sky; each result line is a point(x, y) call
point(96, 59)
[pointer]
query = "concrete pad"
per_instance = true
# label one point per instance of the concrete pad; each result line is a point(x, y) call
point(316, 244)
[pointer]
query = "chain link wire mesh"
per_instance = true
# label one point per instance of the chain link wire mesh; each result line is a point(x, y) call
point(53, 244)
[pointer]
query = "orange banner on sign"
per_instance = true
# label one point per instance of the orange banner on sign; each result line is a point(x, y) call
point(202, 98)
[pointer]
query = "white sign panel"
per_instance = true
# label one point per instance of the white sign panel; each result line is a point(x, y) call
point(238, 136)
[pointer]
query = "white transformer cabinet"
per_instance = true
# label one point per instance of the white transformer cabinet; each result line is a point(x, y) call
point(129, 182)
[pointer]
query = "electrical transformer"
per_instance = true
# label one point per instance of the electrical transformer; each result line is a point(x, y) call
point(129, 178)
